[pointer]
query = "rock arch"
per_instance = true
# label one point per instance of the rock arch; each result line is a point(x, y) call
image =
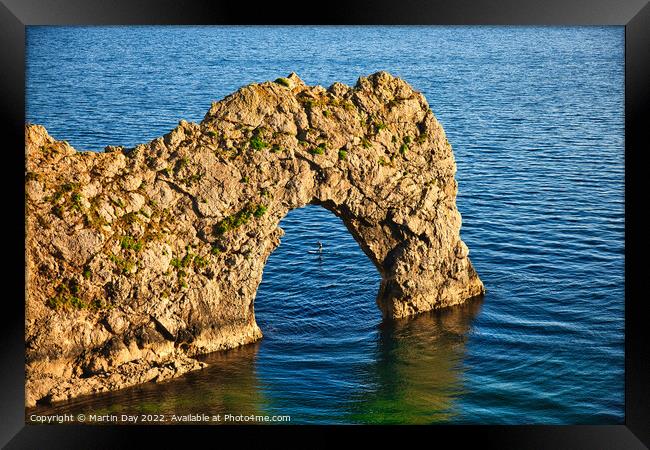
point(139, 259)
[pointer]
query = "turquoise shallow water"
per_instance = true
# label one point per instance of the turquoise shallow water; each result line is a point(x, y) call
point(535, 116)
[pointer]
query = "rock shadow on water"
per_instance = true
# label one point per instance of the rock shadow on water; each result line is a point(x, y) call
point(417, 373)
point(229, 385)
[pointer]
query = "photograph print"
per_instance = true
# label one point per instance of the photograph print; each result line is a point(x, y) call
point(325, 225)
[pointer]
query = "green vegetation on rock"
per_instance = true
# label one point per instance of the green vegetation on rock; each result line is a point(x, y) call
point(76, 201)
point(67, 297)
point(130, 243)
point(186, 262)
point(200, 262)
point(73, 202)
point(259, 211)
point(131, 218)
point(194, 178)
point(319, 149)
point(124, 266)
point(67, 187)
point(48, 149)
point(257, 143)
point(239, 218)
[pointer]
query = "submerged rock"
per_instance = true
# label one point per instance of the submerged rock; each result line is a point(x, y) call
point(139, 259)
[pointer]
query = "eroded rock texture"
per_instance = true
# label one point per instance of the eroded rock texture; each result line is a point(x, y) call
point(139, 259)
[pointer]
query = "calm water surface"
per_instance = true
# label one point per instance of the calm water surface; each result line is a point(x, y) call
point(535, 116)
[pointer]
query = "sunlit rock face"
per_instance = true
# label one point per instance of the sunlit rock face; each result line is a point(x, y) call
point(140, 258)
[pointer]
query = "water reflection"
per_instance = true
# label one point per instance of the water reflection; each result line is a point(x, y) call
point(418, 371)
point(227, 386)
point(414, 377)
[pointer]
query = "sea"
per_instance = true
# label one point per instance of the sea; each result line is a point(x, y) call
point(535, 117)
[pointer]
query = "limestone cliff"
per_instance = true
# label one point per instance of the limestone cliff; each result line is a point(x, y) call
point(140, 258)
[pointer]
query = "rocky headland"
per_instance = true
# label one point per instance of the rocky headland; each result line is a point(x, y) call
point(139, 259)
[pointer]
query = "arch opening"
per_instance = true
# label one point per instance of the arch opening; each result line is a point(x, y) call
point(304, 292)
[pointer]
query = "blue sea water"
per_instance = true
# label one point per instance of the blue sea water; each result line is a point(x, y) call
point(535, 116)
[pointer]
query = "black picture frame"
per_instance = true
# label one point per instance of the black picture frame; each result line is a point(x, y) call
point(633, 14)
